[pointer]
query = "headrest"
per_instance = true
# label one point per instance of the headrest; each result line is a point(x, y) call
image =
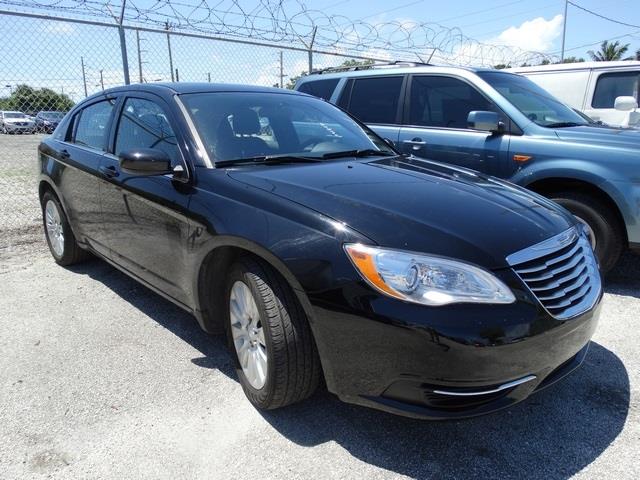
point(245, 122)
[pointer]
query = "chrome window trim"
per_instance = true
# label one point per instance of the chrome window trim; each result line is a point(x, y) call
point(202, 153)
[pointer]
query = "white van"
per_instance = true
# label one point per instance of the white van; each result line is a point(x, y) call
point(605, 91)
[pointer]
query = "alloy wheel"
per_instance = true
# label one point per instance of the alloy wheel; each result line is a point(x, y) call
point(55, 231)
point(248, 335)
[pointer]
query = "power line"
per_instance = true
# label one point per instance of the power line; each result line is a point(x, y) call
point(603, 17)
point(484, 10)
point(597, 43)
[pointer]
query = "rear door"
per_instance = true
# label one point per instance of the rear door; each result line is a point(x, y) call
point(435, 125)
point(376, 102)
point(81, 152)
point(145, 216)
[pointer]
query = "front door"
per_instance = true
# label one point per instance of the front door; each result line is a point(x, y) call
point(145, 216)
point(436, 125)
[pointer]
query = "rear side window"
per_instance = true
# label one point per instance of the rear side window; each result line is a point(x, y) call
point(319, 88)
point(375, 100)
point(612, 85)
point(444, 102)
point(143, 124)
point(93, 125)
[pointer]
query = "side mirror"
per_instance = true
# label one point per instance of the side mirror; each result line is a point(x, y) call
point(145, 161)
point(625, 104)
point(485, 121)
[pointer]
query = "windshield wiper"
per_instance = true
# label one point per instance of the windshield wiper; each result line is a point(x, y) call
point(565, 124)
point(369, 152)
point(268, 160)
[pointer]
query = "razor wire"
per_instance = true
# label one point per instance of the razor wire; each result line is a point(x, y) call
point(294, 23)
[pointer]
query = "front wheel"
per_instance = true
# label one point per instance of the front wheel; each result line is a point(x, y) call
point(605, 231)
point(276, 358)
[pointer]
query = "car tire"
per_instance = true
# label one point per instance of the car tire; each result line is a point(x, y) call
point(277, 364)
point(62, 243)
point(607, 230)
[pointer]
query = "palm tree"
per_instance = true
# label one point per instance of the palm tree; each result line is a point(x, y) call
point(609, 51)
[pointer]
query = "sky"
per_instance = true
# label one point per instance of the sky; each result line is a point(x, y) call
point(46, 53)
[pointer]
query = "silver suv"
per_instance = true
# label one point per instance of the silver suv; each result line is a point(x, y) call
point(16, 122)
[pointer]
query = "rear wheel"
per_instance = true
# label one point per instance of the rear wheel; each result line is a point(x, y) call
point(276, 358)
point(605, 231)
point(62, 243)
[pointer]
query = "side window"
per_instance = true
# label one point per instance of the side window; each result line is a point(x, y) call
point(612, 85)
point(375, 100)
point(92, 128)
point(437, 101)
point(319, 88)
point(143, 124)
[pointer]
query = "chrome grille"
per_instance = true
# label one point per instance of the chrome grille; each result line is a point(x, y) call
point(561, 272)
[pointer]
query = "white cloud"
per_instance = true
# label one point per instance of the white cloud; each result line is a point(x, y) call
point(533, 35)
point(59, 28)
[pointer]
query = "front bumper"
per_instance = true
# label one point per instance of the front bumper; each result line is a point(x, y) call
point(12, 128)
point(446, 362)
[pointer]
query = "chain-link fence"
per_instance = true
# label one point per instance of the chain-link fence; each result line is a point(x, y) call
point(48, 64)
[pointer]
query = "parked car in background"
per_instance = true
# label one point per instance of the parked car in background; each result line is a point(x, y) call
point(606, 91)
point(504, 125)
point(47, 121)
point(16, 122)
point(410, 286)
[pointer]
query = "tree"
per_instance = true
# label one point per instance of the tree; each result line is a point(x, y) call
point(609, 52)
point(346, 64)
point(31, 100)
point(638, 54)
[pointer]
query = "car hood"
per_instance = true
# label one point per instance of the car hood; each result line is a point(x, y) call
point(418, 205)
point(17, 120)
point(601, 135)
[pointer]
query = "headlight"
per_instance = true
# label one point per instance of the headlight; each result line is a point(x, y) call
point(426, 279)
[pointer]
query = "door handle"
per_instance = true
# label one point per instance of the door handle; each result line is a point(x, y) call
point(64, 154)
point(415, 141)
point(109, 171)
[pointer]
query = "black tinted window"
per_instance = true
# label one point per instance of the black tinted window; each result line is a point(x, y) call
point(375, 100)
point(143, 124)
point(319, 88)
point(93, 125)
point(444, 102)
point(612, 85)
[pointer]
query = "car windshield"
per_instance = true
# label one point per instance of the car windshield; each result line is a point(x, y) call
point(252, 125)
point(52, 115)
point(14, 115)
point(536, 103)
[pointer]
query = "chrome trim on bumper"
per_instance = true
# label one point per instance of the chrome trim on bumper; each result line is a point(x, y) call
point(504, 386)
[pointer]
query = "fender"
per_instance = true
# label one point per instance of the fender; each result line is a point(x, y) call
point(577, 170)
point(42, 178)
point(202, 313)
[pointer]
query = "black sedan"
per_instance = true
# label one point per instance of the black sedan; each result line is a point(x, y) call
point(320, 251)
point(48, 120)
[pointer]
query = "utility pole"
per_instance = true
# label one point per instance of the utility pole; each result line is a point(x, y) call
point(140, 78)
point(84, 77)
point(170, 54)
point(123, 45)
point(282, 75)
point(177, 75)
point(564, 28)
point(313, 39)
point(209, 77)
point(101, 81)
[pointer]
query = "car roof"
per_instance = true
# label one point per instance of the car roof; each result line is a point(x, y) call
point(180, 88)
point(576, 66)
point(382, 70)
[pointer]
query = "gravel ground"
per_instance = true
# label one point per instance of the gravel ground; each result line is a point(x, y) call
point(19, 209)
point(101, 378)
